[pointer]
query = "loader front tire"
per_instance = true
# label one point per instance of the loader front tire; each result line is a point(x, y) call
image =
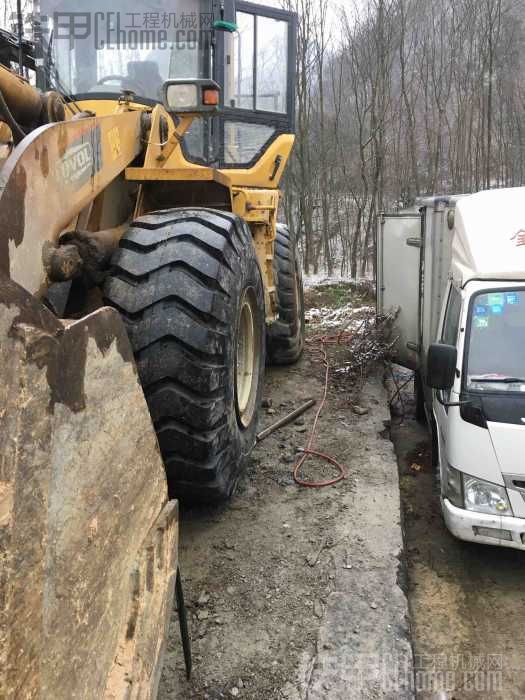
point(188, 286)
point(285, 336)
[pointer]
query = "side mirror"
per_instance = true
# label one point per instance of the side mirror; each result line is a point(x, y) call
point(441, 366)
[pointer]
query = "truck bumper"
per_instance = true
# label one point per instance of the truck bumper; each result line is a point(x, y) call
point(502, 530)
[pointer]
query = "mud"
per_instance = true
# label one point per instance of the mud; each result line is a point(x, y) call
point(466, 600)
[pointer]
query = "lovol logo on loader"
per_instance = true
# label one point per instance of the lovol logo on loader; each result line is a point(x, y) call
point(81, 160)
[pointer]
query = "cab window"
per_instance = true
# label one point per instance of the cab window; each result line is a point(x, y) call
point(452, 318)
point(256, 66)
point(260, 64)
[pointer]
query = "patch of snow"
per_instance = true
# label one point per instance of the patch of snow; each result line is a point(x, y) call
point(344, 316)
point(321, 279)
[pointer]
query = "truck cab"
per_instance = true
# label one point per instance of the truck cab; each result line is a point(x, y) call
point(458, 292)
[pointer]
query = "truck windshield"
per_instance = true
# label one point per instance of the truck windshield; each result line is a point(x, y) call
point(101, 47)
point(496, 360)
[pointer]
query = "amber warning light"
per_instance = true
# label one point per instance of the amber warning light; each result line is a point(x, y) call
point(210, 96)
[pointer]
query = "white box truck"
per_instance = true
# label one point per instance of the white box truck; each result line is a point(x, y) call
point(455, 272)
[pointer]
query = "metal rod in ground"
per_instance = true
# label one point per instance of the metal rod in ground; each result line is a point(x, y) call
point(284, 421)
point(183, 624)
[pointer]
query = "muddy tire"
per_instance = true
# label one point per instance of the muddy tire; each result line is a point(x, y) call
point(285, 336)
point(189, 289)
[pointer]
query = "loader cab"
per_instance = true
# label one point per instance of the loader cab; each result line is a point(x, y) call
point(95, 55)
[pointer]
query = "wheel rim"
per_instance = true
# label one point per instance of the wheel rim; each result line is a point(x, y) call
point(246, 360)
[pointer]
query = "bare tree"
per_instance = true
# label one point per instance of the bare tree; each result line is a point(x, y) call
point(416, 97)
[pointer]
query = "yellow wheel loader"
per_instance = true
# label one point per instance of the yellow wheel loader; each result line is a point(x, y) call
point(144, 284)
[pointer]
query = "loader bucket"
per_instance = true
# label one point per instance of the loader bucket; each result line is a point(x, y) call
point(88, 539)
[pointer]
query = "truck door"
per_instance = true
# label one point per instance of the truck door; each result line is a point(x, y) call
point(399, 246)
point(449, 335)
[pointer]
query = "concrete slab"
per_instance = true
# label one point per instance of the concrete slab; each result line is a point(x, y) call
point(363, 646)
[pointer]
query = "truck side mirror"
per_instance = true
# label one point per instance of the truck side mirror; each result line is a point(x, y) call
point(441, 366)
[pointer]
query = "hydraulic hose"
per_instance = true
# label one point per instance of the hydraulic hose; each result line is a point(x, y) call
point(5, 114)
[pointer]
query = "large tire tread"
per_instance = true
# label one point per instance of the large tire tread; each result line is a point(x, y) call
point(285, 336)
point(175, 279)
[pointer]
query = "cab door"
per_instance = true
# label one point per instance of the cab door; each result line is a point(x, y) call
point(449, 336)
point(256, 68)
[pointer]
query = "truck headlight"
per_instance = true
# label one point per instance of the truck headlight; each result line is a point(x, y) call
point(483, 497)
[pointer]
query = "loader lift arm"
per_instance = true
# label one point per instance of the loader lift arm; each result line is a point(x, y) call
point(49, 178)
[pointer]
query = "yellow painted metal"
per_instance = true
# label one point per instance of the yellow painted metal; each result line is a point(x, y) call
point(56, 172)
point(104, 108)
point(158, 150)
point(258, 207)
point(167, 154)
point(172, 157)
point(259, 175)
point(163, 174)
point(23, 101)
point(254, 205)
point(254, 191)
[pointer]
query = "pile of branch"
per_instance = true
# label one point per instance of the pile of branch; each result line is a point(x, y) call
point(356, 350)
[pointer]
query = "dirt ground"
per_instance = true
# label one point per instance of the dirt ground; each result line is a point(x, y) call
point(466, 600)
point(289, 587)
point(265, 572)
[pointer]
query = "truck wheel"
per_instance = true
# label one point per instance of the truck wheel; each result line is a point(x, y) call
point(285, 336)
point(188, 286)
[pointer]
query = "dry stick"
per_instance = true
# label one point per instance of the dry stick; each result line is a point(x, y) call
point(284, 421)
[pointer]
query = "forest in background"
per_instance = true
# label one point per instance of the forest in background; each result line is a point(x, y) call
point(397, 99)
